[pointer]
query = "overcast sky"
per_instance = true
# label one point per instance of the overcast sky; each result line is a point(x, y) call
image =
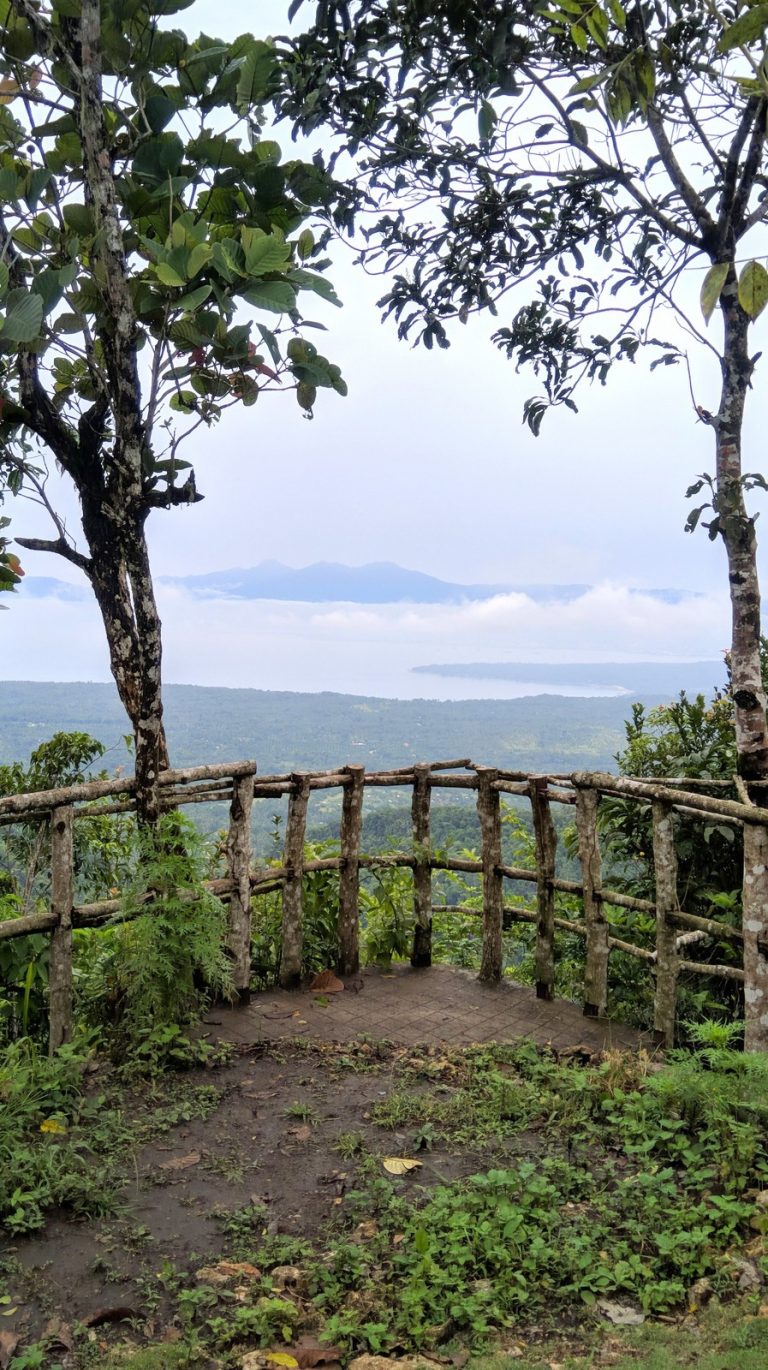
point(426, 463)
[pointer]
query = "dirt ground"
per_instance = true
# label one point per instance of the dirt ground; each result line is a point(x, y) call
point(271, 1141)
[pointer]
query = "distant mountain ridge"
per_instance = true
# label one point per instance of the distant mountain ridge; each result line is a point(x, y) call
point(378, 582)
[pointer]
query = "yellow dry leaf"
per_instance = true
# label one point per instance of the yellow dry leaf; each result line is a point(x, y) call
point(9, 89)
point(282, 1358)
point(400, 1165)
point(53, 1125)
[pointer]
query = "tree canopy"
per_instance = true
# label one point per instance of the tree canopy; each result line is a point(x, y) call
point(603, 163)
point(144, 217)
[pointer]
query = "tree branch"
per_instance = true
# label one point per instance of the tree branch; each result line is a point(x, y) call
point(60, 547)
point(615, 173)
point(732, 166)
point(751, 168)
point(690, 197)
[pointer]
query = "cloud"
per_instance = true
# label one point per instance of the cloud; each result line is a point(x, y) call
point(364, 649)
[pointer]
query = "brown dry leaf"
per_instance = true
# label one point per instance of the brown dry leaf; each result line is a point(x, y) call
point(307, 1352)
point(400, 1165)
point(326, 981)
point(224, 1271)
point(181, 1162)
point(365, 1231)
point(302, 1133)
point(8, 1343)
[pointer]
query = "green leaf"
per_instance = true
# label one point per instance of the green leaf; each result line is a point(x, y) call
point(712, 288)
point(248, 390)
point(264, 252)
point(309, 280)
point(198, 258)
point(745, 29)
point(306, 394)
point(256, 76)
point(305, 244)
point(193, 299)
point(165, 273)
point(23, 319)
point(487, 119)
point(4, 277)
point(277, 296)
point(159, 157)
point(753, 289)
point(159, 111)
point(79, 219)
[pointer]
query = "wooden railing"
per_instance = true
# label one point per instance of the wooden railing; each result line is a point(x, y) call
point(239, 784)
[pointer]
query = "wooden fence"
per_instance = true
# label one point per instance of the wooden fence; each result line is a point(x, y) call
point(239, 784)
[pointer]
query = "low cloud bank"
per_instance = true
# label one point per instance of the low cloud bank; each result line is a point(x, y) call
point(367, 649)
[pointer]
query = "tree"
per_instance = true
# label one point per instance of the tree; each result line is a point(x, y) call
point(140, 208)
point(593, 158)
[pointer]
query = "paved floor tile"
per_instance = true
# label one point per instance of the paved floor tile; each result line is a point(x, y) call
point(441, 1004)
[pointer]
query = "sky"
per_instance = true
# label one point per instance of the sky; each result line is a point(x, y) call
point(426, 463)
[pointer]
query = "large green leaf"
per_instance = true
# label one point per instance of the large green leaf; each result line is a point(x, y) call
point(277, 296)
point(257, 75)
point(23, 318)
point(749, 26)
point(753, 289)
point(711, 289)
point(265, 252)
point(165, 273)
point(159, 157)
point(193, 299)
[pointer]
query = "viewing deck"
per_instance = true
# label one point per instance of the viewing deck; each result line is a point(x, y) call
point(439, 1004)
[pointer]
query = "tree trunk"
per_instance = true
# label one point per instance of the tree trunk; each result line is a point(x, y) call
point(122, 583)
point(737, 529)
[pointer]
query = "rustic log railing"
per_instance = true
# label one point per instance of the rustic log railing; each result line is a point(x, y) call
point(239, 784)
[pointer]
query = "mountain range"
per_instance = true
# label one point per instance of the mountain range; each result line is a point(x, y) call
point(378, 582)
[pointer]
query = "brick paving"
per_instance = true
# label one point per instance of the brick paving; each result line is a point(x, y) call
point(442, 1004)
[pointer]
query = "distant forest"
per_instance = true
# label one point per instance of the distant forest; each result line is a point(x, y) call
point(286, 731)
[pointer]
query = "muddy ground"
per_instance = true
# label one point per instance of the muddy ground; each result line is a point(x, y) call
point(271, 1142)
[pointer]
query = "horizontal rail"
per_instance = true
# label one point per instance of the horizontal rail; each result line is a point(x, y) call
point(238, 784)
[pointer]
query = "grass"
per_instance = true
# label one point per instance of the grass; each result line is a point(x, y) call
point(621, 1181)
point(722, 1338)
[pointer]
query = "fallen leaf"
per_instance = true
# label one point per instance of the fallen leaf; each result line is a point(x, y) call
point(8, 1343)
point(302, 1133)
point(400, 1165)
point(326, 981)
point(224, 1271)
point(620, 1314)
point(181, 1162)
point(282, 1358)
point(307, 1352)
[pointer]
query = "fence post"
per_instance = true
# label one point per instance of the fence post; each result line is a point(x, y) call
point(546, 852)
point(755, 928)
point(62, 899)
point(239, 870)
point(293, 860)
point(597, 949)
point(489, 813)
point(665, 869)
point(421, 953)
point(349, 877)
